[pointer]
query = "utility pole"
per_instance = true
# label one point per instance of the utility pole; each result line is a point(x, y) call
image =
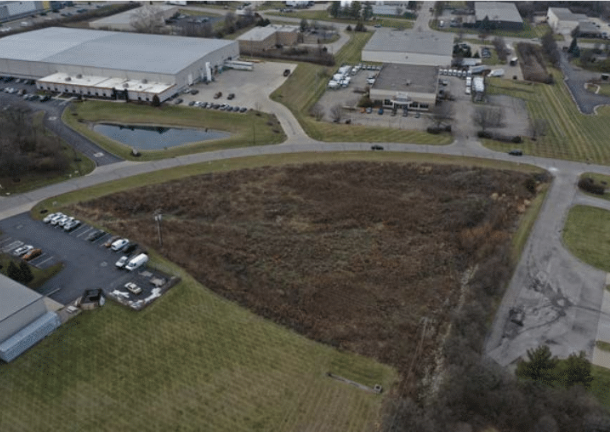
point(159, 218)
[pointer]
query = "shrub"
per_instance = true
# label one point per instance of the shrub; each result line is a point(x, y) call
point(587, 184)
point(484, 134)
point(433, 130)
point(365, 102)
point(517, 139)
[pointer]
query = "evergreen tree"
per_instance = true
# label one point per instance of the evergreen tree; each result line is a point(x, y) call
point(13, 272)
point(334, 9)
point(26, 273)
point(367, 11)
point(574, 49)
point(354, 9)
point(577, 370)
point(304, 25)
point(539, 366)
point(155, 101)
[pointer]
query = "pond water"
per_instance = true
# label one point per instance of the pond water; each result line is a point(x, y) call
point(155, 137)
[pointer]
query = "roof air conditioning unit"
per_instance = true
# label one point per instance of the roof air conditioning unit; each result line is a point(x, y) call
point(68, 79)
point(144, 81)
point(125, 85)
point(79, 76)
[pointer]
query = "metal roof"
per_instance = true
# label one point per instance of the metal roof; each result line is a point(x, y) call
point(14, 297)
point(418, 42)
point(407, 78)
point(497, 11)
point(109, 50)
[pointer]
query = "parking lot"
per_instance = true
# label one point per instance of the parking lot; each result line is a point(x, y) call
point(251, 88)
point(87, 264)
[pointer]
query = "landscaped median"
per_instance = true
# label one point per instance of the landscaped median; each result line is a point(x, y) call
point(250, 129)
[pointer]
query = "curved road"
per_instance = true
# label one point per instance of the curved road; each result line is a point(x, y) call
point(553, 298)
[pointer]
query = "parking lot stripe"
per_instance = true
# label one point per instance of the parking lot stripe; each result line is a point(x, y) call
point(7, 239)
point(38, 258)
point(12, 246)
point(77, 229)
point(38, 264)
point(86, 231)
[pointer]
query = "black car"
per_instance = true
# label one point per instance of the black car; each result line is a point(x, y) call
point(130, 248)
point(376, 147)
point(45, 98)
point(516, 152)
point(194, 92)
point(231, 96)
point(95, 235)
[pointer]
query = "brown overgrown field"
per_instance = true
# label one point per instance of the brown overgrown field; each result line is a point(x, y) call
point(352, 254)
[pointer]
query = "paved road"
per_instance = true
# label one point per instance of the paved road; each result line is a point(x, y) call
point(561, 297)
point(52, 120)
point(575, 80)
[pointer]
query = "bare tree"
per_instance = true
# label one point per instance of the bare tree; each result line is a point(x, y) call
point(442, 114)
point(147, 19)
point(317, 112)
point(500, 45)
point(229, 25)
point(336, 113)
point(538, 127)
point(487, 117)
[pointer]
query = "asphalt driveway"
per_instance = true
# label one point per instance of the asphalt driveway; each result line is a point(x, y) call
point(575, 79)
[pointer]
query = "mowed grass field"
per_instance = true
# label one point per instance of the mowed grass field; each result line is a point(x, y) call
point(570, 135)
point(586, 234)
point(308, 82)
point(190, 362)
point(267, 129)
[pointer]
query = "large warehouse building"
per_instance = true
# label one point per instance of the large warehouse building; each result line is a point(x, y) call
point(105, 64)
point(24, 319)
point(422, 48)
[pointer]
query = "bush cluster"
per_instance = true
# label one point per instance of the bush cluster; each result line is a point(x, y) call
point(516, 139)
point(587, 184)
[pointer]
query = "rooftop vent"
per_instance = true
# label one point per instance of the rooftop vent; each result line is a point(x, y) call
point(68, 79)
point(144, 81)
point(125, 85)
point(79, 76)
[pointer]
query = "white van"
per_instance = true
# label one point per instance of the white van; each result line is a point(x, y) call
point(136, 262)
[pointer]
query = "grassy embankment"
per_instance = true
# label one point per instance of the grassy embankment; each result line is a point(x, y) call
point(570, 135)
point(586, 234)
point(241, 126)
point(78, 165)
point(307, 83)
point(528, 31)
point(322, 15)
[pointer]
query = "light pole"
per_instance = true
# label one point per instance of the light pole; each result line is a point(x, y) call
point(159, 218)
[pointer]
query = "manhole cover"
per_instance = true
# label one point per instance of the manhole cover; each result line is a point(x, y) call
point(103, 264)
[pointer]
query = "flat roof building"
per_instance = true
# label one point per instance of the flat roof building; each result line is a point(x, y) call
point(123, 21)
point(562, 20)
point(59, 53)
point(406, 86)
point(424, 48)
point(502, 15)
point(24, 319)
point(263, 38)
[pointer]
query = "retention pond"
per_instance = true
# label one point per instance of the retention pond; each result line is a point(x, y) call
point(156, 137)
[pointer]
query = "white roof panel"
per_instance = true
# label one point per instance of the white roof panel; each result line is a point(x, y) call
point(109, 50)
point(14, 297)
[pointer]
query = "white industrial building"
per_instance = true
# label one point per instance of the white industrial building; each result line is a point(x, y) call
point(24, 319)
point(562, 20)
point(11, 10)
point(422, 48)
point(102, 63)
point(400, 86)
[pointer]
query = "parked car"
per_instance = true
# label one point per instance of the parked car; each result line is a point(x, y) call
point(130, 248)
point(34, 253)
point(111, 240)
point(231, 96)
point(57, 221)
point(63, 222)
point(191, 103)
point(218, 95)
point(286, 72)
point(133, 288)
point(376, 147)
point(369, 110)
point(137, 262)
point(178, 101)
point(71, 226)
point(243, 109)
point(122, 261)
point(119, 244)
point(95, 235)
point(48, 218)
point(380, 112)
point(194, 91)
point(516, 152)
point(22, 250)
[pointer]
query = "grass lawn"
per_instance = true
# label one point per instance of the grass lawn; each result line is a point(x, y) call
point(604, 89)
point(191, 359)
point(322, 15)
point(241, 126)
point(40, 276)
point(598, 178)
point(79, 165)
point(587, 235)
point(528, 31)
point(601, 384)
point(308, 82)
point(570, 134)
